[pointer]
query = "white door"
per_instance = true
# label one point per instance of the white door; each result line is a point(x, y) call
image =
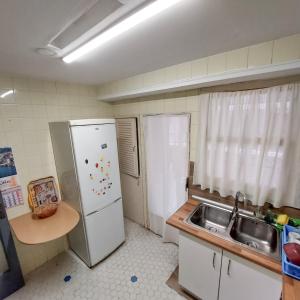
point(105, 231)
point(167, 157)
point(241, 279)
point(95, 150)
point(199, 267)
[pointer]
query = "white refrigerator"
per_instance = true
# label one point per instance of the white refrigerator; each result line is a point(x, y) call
point(86, 160)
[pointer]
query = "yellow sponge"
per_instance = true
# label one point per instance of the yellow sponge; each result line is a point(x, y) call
point(282, 219)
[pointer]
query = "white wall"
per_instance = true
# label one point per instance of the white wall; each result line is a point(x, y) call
point(24, 119)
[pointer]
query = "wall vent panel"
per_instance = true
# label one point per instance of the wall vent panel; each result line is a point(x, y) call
point(128, 146)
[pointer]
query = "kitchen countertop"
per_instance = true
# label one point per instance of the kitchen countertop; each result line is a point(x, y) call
point(291, 287)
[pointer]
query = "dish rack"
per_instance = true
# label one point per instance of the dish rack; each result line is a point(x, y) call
point(289, 268)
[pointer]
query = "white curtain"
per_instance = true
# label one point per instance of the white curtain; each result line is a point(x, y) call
point(167, 152)
point(249, 141)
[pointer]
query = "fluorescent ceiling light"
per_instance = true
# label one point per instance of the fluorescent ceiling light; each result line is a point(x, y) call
point(7, 93)
point(125, 25)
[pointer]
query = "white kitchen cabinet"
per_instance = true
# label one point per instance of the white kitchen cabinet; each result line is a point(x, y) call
point(242, 279)
point(199, 267)
point(210, 273)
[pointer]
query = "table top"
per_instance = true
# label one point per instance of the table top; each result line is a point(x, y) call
point(29, 230)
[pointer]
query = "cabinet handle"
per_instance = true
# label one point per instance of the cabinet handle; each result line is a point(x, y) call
point(213, 262)
point(228, 267)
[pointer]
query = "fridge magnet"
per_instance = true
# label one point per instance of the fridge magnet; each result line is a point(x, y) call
point(9, 184)
point(43, 197)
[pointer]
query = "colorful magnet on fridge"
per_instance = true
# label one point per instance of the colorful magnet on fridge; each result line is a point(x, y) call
point(97, 165)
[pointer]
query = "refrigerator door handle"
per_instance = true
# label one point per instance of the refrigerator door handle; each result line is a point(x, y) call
point(96, 211)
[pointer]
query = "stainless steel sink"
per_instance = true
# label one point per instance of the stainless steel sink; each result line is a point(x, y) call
point(246, 230)
point(257, 234)
point(212, 218)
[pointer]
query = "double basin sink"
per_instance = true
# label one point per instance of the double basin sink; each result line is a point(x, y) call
point(248, 231)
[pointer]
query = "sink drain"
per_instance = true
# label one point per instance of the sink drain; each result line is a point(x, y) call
point(252, 244)
point(212, 229)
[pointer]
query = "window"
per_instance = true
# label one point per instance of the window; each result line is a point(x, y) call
point(249, 141)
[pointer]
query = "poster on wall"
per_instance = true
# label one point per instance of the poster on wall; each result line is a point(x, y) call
point(9, 183)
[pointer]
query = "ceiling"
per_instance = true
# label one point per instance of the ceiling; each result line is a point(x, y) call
point(189, 30)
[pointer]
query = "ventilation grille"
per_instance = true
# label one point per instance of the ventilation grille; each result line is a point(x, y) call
point(94, 13)
point(128, 146)
point(89, 18)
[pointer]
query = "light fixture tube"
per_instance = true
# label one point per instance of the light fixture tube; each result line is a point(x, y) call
point(140, 16)
point(6, 93)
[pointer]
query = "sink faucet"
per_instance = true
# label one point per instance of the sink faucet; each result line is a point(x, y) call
point(236, 203)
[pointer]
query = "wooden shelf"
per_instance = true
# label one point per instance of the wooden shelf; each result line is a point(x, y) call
point(36, 231)
point(228, 77)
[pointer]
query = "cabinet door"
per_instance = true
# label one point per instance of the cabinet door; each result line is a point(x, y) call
point(199, 267)
point(241, 279)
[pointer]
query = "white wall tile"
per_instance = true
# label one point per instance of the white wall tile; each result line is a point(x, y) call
point(153, 78)
point(154, 107)
point(6, 82)
point(21, 83)
point(192, 103)
point(260, 54)
point(237, 59)
point(199, 67)
point(170, 74)
point(183, 71)
point(286, 49)
point(217, 63)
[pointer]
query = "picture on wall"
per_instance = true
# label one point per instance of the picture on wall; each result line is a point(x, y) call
point(9, 184)
point(7, 163)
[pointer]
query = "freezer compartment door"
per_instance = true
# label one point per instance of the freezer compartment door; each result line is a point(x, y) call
point(96, 156)
point(105, 231)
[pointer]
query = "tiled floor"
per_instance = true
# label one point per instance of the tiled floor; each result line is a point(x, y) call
point(143, 255)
